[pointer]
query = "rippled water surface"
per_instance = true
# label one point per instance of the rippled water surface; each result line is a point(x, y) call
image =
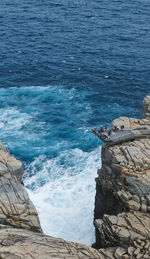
point(66, 67)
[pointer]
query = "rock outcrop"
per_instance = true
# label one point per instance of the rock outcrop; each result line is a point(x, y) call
point(122, 204)
point(25, 244)
point(16, 209)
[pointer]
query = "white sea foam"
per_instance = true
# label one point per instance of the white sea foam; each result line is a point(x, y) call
point(66, 202)
point(39, 123)
point(12, 119)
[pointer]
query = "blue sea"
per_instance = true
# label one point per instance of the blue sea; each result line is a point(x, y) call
point(66, 67)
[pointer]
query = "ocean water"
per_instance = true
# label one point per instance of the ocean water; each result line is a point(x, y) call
point(67, 67)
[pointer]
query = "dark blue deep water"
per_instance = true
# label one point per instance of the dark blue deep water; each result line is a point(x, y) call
point(66, 67)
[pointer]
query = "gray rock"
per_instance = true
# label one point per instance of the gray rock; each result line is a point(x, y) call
point(136, 198)
point(127, 197)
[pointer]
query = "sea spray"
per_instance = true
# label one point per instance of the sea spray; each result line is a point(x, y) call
point(66, 203)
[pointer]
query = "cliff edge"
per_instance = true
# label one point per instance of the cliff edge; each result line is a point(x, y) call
point(122, 204)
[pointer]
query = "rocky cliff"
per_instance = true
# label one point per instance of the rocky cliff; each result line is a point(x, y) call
point(122, 205)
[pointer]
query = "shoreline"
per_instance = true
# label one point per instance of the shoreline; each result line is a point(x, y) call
point(122, 205)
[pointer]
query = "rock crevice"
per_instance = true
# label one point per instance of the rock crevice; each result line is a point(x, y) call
point(122, 205)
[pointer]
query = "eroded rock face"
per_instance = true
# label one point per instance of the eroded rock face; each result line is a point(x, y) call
point(122, 204)
point(16, 209)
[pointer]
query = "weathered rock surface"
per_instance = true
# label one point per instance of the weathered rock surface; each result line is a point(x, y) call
point(16, 209)
point(24, 244)
point(122, 204)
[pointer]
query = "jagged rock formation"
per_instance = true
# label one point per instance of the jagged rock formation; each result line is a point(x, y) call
point(122, 205)
point(16, 209)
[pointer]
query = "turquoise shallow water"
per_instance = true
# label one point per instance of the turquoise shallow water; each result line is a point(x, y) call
point(67, 67)
point(47, 128)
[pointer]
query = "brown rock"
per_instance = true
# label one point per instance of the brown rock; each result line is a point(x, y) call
point(25, 244)
point(131, 250)
point(119, 252)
